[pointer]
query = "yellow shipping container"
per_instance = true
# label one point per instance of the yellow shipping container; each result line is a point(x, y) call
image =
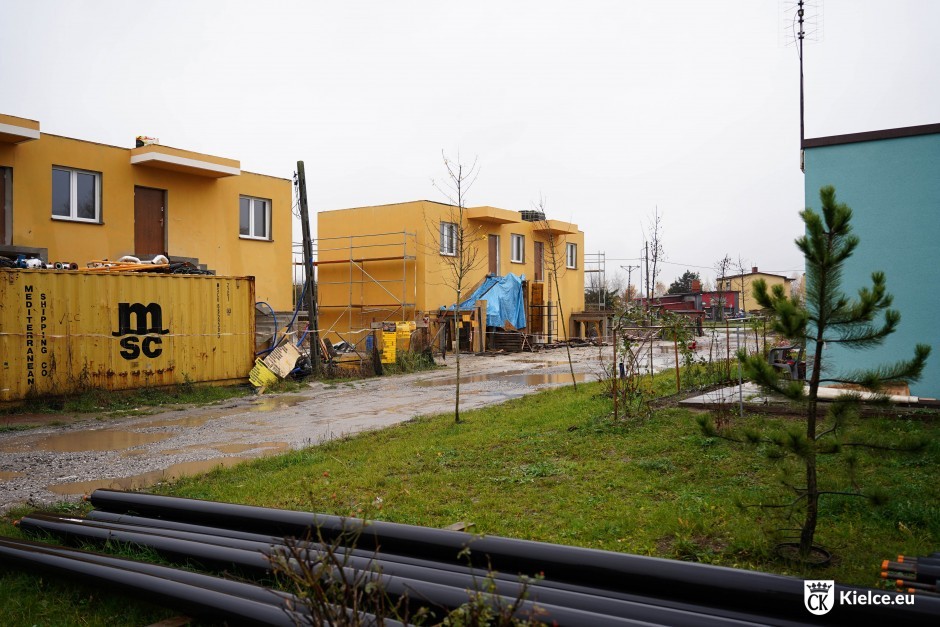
point(61, 332)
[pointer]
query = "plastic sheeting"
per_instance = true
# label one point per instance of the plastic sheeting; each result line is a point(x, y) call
point(504, 301)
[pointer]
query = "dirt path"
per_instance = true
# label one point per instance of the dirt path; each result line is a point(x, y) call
point(55, 463)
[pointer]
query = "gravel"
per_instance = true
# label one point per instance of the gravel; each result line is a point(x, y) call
point(56, 463)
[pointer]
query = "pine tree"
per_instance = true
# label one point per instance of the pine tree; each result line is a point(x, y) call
point(828, 317)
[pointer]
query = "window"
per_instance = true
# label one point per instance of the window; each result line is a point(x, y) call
point(448, 238)
point(254, 218)
point(76, 195)
point(518, 248)
point(571, 255)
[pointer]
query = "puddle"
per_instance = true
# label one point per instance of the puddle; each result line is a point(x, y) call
point(277, 402)
point(265, 404)
point(6, 474)
point(512, 377)
point(94, 440)
point(148, 478)
point(188, 421)
point(135, 453)
point(268, 447)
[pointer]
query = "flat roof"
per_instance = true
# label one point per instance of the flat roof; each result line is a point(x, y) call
point(891, 133)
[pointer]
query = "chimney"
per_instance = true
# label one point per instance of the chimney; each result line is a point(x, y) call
point(696, 285)
point(753, 269)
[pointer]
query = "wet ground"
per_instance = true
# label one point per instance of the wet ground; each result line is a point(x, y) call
point(64, 461)
point(74, 456)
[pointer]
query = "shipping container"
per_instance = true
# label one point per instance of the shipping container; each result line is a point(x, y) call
point(63, 332)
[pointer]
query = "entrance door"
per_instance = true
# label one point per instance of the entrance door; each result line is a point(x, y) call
point(494, 254)
point(538, 261)
point(149, 221)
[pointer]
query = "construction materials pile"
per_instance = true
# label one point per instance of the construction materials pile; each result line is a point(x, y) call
point(915, 575)
point(159, 264)
point(416, 567)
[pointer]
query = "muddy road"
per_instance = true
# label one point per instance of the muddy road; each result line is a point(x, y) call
point(54, 463)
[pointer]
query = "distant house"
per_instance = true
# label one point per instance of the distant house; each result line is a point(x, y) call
point(708, 305)
point(891, 180)
point(743, 284)
point(392, 263)
point(72, 200)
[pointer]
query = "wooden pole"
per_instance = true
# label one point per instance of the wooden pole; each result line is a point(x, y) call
point(616, 372)
point(309, 279)
point(675, 346)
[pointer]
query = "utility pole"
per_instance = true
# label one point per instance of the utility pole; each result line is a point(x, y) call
point(629, 270)
point(310, 284)
point(800, 36)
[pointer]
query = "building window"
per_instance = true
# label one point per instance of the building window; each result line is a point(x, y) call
point(518, 248)
point(254, 218)
point(448, 238)
point(76, 195)
point(571, 255)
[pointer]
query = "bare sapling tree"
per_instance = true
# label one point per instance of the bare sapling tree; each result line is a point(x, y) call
point(557, 264)
point(722, 267)
point(654, 253)
point(458, 244)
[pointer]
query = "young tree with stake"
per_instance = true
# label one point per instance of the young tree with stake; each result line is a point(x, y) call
point(828, 317)
point(458, 245)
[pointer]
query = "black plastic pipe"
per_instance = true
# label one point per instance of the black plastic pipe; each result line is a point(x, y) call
point(435, 596)
point(190, 599)
point(750, 592)
point(535, 587)
point(634, 609)
point(250, 591)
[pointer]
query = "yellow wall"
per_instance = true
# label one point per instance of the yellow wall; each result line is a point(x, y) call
point(202, 212)
point(429, 285)
point(734, 283)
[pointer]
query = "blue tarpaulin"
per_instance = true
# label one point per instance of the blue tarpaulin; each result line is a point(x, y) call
point(503, 296)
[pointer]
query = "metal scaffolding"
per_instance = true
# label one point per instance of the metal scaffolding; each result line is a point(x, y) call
point(373, 291)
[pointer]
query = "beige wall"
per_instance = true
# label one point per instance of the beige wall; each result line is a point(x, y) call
point(428, 279)
point(748, 303)
point(202, 212)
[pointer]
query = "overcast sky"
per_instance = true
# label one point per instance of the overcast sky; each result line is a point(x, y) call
point(607, 110)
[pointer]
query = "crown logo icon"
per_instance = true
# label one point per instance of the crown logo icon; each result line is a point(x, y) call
point(819, 586)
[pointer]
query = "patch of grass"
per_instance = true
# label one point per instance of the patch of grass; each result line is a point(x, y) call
point(130, 402)
point(554, 467)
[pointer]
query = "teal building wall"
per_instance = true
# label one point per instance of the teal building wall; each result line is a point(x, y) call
point(891, 180)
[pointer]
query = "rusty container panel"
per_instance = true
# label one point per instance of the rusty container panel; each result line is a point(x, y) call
point(61, 332)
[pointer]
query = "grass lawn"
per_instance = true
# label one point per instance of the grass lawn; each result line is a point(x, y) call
point(554, 467)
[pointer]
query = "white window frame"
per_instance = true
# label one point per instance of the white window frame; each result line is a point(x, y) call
point(73, 195)
point(571, 256)
point(516, 248)
point(253, 203)
point(448, 237)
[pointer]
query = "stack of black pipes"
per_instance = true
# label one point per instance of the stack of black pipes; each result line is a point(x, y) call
point(915, 575)
point(437, 569)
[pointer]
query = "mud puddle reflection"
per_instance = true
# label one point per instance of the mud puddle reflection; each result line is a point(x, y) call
point(176, 471)
point(509, 378)
point(95, 440)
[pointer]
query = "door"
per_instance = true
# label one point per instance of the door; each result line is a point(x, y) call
point(535, 309)
point(149, 221)
point(538, 261)
point(494, 254)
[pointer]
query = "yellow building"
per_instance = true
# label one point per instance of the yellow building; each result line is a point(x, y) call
point(396, 262)
point(76, 201)
point(744, 285)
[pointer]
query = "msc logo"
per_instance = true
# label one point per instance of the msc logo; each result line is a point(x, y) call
point(147, 322)
point(819, 596)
